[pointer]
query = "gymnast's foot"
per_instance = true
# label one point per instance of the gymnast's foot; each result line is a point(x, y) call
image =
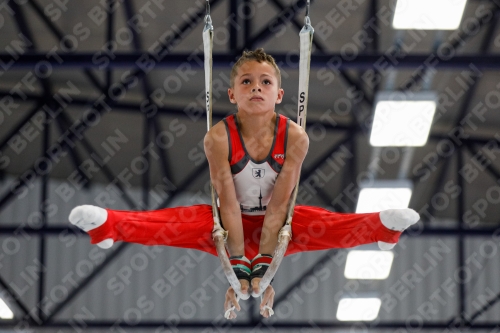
point(398, 220)
point(89, 217)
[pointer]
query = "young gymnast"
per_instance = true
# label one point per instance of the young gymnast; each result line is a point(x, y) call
point(255, 157)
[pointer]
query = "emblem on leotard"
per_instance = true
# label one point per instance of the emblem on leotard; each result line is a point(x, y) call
point(258, 208)
point(258, 173)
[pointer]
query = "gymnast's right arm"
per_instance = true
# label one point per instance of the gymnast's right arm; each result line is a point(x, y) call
point(217, 152)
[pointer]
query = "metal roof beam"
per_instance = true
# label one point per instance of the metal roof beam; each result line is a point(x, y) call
point(334, 61)
point(290, 324)
point(426, 231)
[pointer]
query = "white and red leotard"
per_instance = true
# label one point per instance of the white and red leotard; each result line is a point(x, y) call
point(254, 180)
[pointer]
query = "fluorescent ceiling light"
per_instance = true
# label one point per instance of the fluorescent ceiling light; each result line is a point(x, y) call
point(356, 309)
point(384, 194)
point(402, 119)
point(5, 311)
point(368, 265)
point(428, 14)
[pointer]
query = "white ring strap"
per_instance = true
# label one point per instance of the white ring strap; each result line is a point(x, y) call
point(306, 38)
point(219, 234)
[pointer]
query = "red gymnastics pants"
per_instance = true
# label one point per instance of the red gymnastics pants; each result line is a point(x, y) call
point(191, 227)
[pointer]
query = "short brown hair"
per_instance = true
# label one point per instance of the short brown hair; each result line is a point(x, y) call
point(258, 55)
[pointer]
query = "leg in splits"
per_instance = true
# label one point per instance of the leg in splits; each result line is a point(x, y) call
point(316, 228)
point(186, 227)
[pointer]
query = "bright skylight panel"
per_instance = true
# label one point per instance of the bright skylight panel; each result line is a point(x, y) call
point(385, 194)
point(402, 120)
point(428, 14)
point(368, 265)
point(5, 311)
point(358, 309)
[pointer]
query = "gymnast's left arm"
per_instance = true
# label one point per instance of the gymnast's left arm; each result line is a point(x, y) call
point(296, 150)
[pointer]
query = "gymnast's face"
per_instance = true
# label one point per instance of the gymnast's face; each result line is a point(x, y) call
point(255, 88)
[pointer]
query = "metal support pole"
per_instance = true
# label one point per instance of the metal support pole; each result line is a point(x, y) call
point(374, 24)
point(247, 25)
point(234, 25)
point(147, 160)
point(462, 290)
point(44, 195)
point(351, 173)
point(109, 39)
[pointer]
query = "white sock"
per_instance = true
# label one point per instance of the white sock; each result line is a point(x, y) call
point(397, 219)
point(89, 217)
point(385, 246)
